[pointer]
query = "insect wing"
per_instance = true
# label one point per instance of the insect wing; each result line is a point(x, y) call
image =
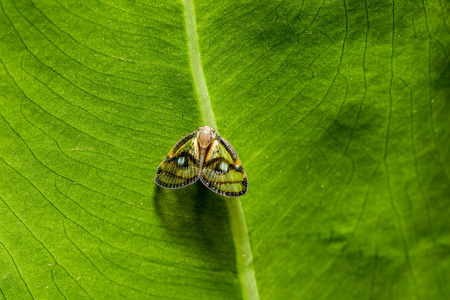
point(181, 166)
point(222, 170)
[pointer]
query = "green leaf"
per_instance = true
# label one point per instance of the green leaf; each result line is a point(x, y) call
point(338, 110)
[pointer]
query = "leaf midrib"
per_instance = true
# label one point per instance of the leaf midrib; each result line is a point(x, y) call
point(244, 257)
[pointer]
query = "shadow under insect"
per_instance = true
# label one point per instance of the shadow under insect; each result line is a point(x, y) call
point(197, 219)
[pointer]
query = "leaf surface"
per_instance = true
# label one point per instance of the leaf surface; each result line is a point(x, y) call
point(338, 110)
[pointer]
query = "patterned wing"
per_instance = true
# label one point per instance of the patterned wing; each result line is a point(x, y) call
point(181, 166)
point(222, 170)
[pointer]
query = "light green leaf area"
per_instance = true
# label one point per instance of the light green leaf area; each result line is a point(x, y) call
point(339, 111)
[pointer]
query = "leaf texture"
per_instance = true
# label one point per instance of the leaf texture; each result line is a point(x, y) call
point(338, 111)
